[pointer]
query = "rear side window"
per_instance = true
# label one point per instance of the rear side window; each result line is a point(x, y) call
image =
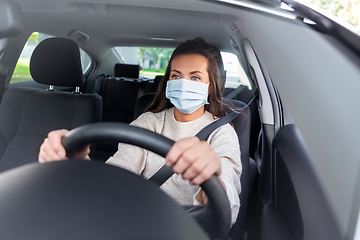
point(22, 72)
point(235, 75)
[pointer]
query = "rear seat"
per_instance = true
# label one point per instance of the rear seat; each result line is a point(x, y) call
point(120, 93)
point(119, 98)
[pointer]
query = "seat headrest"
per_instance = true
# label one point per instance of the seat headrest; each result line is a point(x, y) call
point(11, 18)
point(218, 58)
point(126, 70)
point(157, 81)
point(56, 61)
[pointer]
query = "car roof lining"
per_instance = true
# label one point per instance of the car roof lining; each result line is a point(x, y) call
point(203, 19)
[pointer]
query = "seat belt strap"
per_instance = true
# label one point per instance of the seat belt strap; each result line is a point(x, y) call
point(236, 92)
point(164, 173)
point(204, 133)
point(98, 83)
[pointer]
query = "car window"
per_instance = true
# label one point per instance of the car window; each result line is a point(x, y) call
point(235, 75)
point(153, 61)
point(22, 72)
point(348, 11)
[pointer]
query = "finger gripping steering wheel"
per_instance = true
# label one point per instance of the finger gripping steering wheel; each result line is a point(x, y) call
point(214, 217)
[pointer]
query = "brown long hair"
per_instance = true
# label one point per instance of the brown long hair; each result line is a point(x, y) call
point(201, 47)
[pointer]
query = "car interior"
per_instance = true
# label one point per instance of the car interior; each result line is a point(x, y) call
point(77, 77)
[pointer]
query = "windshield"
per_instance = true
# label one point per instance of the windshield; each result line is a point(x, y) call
point(346, 10)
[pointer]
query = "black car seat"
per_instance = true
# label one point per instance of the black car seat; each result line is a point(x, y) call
point(127, 70)
point(242, 126)
point(119, 93)
point(143, 101)
point(27, 115)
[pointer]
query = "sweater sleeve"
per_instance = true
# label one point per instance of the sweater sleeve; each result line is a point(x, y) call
point(225, 143)
point(131, 157)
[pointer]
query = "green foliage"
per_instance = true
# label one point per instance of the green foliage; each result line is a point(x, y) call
point(160, 56)
point(167, 53)
point(348, 10)
point(34, 38)
point(161, 71)
point(141, 51)
point(21, 72)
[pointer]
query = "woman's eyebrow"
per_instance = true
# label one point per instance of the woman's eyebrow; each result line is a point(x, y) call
point(193, 72)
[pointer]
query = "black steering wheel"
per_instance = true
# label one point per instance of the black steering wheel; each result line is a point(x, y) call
point(214, 217)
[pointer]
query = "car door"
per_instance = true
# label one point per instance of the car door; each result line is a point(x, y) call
point(291, 201)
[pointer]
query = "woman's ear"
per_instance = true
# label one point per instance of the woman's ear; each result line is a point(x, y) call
point(209, 88)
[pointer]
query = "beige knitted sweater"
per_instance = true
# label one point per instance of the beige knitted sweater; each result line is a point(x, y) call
point(223, 140)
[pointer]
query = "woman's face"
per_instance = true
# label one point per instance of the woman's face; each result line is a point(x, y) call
point(190, 66)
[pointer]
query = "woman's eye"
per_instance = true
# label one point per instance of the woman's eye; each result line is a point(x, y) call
point(195, 78)
point(175, 76)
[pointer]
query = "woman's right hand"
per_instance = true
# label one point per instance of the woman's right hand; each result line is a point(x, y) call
point(52, 149)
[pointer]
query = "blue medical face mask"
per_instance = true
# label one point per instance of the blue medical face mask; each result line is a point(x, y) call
point(187, 95)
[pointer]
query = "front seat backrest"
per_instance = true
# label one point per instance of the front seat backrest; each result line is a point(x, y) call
point(242, 126)
point(27, 115)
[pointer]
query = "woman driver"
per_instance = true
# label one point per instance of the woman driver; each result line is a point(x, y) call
point(188, 99)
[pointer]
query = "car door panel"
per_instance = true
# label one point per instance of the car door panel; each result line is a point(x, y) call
point(299, 205)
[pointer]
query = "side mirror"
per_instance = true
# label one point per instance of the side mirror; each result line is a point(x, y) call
point(10, 18)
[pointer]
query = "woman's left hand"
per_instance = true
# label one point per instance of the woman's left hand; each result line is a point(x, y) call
point(195, 160)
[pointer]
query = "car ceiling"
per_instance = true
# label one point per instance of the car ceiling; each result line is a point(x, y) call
point(127, 24)
point(132, 23)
